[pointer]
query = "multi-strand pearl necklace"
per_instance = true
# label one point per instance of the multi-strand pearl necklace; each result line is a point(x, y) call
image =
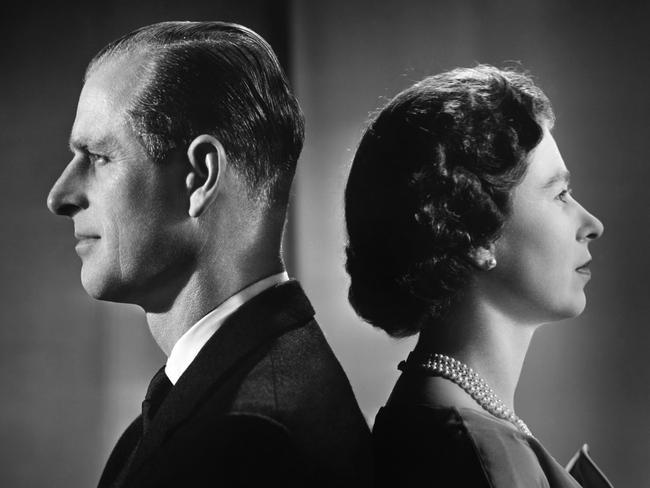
point(465, 377)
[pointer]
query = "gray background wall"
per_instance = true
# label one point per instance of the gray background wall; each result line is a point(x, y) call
point(73, 371)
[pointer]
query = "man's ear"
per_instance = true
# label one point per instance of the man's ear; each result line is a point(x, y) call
point(208, 160)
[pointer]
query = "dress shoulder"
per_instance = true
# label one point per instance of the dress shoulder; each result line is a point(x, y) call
point(442, 446)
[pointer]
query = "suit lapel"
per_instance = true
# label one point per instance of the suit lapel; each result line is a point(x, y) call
point(251, 327)
point(119, 461)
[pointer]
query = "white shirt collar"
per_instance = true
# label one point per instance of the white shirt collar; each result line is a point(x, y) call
point(193, 340)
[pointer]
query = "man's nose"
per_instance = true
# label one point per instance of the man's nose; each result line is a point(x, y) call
point(67, 195)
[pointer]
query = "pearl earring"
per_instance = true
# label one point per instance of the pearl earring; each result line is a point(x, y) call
point(490, 263)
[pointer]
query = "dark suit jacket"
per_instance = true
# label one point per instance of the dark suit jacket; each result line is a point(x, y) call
point(265, 403)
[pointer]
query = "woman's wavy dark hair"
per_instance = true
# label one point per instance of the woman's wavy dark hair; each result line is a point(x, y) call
point(430, 182)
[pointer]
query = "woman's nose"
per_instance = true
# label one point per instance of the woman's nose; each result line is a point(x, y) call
point(592, 228)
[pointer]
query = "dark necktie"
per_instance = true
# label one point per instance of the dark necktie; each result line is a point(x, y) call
point(156, 393)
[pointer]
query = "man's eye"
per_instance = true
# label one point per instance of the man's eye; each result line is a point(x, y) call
point(97, 158)
point(563, 196)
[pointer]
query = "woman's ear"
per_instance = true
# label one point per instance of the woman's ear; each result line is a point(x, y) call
point(483, 257)
point(208, 160)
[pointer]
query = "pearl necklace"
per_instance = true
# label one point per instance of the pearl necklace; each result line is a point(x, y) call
point(465, 377)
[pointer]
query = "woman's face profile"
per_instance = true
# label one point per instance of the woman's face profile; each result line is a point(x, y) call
point(542, 253)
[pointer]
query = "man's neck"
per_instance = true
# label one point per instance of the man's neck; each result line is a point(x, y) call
point(204, 291)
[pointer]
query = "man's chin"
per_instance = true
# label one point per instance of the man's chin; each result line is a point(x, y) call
point(103, 289)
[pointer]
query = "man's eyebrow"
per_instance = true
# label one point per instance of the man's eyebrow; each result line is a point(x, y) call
point(562, 176)
point(91, 145)
point(76, 145)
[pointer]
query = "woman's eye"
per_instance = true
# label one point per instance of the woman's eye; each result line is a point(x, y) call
point(563, 196)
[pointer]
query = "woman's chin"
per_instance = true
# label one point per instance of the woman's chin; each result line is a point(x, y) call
point(571, 308)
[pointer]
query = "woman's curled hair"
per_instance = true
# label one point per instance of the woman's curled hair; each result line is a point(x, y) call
point(430, 182)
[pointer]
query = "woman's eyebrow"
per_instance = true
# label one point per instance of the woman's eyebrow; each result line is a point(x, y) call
point(562, 176)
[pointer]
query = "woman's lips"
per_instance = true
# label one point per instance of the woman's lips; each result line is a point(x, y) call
point(584, 269)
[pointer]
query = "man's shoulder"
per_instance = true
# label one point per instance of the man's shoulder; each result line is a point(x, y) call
point(293, 393)
point(294, 364)
point(275, 398)
point(297, 364)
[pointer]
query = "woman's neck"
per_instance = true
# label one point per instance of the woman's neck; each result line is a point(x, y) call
point(485, 339)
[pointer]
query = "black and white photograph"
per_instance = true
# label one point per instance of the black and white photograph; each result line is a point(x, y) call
point(355, 244)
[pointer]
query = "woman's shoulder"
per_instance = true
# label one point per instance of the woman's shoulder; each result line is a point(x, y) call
point(460, 447)
point(420, 420)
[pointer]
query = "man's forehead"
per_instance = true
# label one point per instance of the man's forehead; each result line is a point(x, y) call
point(120, 71)
point(113, 82)
point(98, 113)
point(105, 98)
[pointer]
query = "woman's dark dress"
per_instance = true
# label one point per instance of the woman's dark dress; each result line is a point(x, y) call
point(424, 446)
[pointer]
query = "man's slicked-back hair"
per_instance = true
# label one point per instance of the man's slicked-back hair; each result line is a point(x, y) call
point(214, 78)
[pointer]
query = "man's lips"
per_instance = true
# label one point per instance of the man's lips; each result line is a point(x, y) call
point(84, 241)
point(82, 237)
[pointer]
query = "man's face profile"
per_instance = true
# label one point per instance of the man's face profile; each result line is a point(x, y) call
point(128, 210)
